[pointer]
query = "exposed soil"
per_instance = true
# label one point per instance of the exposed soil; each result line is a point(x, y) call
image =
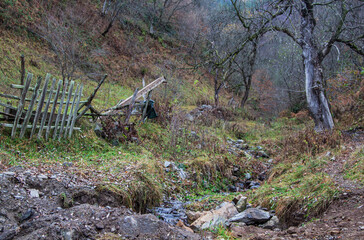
point(55, 205)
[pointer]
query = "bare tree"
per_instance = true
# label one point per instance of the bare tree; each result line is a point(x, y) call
point(59, 33)
point(281, 15)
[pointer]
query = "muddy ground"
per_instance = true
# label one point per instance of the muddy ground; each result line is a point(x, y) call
point(55, 205)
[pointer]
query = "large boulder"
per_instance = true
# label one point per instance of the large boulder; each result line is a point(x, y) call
point(216, 218)
point(251, 216)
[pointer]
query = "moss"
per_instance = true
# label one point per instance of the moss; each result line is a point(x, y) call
point(66, 201)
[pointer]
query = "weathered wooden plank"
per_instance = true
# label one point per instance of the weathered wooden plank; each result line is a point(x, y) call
point(44, 118)
point(65, 110)
point(40, 105)
point(21, 104)
point(10, 125)
point(131, 105)
point(30, 108)
point(143, 91)
point(6, 105)
point(70, 115)
point(91, 97)
point(27, 99)
point(22, 69)
point(60, 109)
point(17, 86)
point(74, 119)
point(60, 82)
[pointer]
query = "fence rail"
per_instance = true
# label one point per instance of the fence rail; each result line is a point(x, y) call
point(34, 103)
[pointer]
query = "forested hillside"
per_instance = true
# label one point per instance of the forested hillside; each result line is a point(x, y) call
point(181, 119)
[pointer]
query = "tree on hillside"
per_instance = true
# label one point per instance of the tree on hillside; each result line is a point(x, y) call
point(304, 22)
point(59, 32)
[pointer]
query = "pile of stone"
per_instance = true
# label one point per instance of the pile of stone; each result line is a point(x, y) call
point(235, 214)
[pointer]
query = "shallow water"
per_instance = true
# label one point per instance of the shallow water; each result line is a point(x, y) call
point(171, 211)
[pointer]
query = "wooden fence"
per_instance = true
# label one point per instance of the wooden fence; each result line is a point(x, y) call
point(61, 98)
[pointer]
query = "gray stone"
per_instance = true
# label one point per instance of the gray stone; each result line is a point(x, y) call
point(67, 164)
point(241, 204)
point(189, 117)
point(271, 224)
point(248, 176)
point(42, 177)
point(68, 235)
point(263, 154)
point(34, 193)
point(251, 216)
point(98, 130)
point(9, 174)
point(215, 218)
point(167, 164)
point(193, 135)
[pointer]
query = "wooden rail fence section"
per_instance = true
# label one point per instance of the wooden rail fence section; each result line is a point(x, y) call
point(62, 100)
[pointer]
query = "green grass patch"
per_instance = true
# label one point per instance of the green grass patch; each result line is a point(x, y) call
point(355, 166)
point(297, 188)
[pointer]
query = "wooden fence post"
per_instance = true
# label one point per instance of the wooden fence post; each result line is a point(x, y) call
point(40, 105)
point(30, 108)
point(74, 119)
point(45, 114)
point(21, 104)
point(66, 109)
point(60, 110)
point(60, 83)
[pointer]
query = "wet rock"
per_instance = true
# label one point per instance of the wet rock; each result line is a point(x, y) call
point(241, 204)
point(271, 224)
point(251, 216)
point(216, 217)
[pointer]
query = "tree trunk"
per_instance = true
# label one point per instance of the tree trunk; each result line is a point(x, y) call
point(315, 92)
point(246, 94)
